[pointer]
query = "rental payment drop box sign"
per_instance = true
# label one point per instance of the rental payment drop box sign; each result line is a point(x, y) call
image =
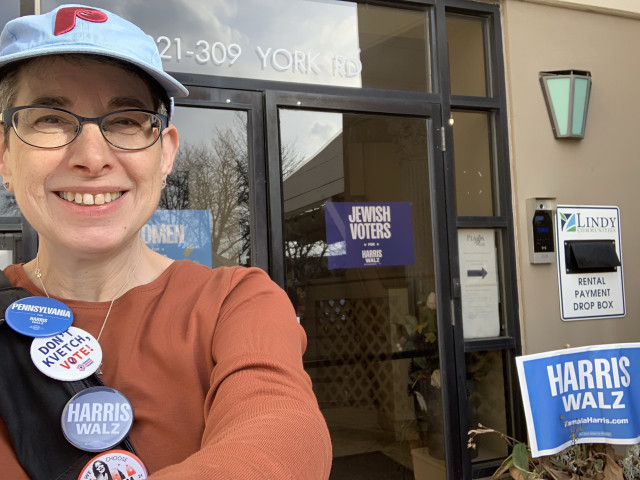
point(589, 262)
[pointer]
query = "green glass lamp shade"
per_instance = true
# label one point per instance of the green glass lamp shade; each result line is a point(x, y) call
point(566, 94)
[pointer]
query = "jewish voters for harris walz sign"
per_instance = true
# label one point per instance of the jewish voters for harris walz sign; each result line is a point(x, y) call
point(581, 395)
point(368, 234)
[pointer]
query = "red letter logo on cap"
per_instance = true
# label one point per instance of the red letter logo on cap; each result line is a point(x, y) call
point(66, 18)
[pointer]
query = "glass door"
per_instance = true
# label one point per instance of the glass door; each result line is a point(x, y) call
point(216, 190)
point(360, 269)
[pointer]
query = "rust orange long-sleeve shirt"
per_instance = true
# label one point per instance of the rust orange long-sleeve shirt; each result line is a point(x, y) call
point(211, 361)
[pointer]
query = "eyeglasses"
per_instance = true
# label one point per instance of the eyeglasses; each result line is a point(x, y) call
point(42, 126)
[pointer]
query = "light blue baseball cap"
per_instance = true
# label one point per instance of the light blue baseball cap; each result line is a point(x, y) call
point(85, 30)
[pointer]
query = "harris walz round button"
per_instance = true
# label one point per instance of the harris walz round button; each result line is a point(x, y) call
point(97, 419)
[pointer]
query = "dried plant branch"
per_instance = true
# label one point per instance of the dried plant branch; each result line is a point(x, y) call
point(588, 461)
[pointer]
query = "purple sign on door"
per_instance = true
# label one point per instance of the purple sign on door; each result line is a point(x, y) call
point(368, 234)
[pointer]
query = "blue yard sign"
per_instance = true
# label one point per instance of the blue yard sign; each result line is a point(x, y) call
point(368, 234)
point(581, 395)
point(180, 234)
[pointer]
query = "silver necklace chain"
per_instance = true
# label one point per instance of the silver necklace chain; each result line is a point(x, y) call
point(38, 273)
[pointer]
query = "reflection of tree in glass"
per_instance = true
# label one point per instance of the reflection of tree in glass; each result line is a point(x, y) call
point(305, 239)
point(8, 205)
point(305, 250)
point(214, 177)
point(175, 195)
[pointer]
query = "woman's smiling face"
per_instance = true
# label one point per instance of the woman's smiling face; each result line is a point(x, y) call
point(87, 196)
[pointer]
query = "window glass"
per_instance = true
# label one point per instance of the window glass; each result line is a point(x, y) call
point(8, 204)
point(208, 191)
point(394, 48)
point(473, 165)
point(10, 247)
point(352, 183)
point(328, 42)
point(486, 401)
point(9, 9)
point(467, 62)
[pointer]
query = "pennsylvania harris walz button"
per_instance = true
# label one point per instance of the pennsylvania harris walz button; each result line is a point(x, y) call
point(38, 316)
point(97, 419)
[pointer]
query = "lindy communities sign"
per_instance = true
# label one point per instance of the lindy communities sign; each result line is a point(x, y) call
point(589, 262)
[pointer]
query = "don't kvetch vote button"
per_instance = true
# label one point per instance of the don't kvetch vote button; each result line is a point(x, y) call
point(68, 356)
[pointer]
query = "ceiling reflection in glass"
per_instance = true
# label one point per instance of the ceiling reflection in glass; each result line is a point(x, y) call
point(326, 42)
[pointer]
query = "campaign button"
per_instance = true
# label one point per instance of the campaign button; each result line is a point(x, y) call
point(38, 316)
point(116, 465)
point(97, 419)
point(67, 356)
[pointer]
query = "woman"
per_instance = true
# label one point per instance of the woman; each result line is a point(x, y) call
point(101, 471)
point(209, 359)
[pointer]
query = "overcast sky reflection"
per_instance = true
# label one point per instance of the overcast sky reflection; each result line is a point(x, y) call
point(303, 41)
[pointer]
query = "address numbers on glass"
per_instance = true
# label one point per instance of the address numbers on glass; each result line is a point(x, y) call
point(279, 60)
point(203, 52)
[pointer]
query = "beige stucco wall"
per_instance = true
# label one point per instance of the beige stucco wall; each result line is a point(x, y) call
point(628, 8)
point(602, 169)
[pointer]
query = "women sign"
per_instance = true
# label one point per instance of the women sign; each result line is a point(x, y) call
point(581, 395)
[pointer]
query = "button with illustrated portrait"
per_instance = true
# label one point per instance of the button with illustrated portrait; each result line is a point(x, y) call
point(114, 465)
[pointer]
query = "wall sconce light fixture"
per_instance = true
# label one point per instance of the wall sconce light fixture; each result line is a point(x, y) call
point(566, 94)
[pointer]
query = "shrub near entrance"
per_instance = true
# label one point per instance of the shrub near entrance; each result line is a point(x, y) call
point(588, 461)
